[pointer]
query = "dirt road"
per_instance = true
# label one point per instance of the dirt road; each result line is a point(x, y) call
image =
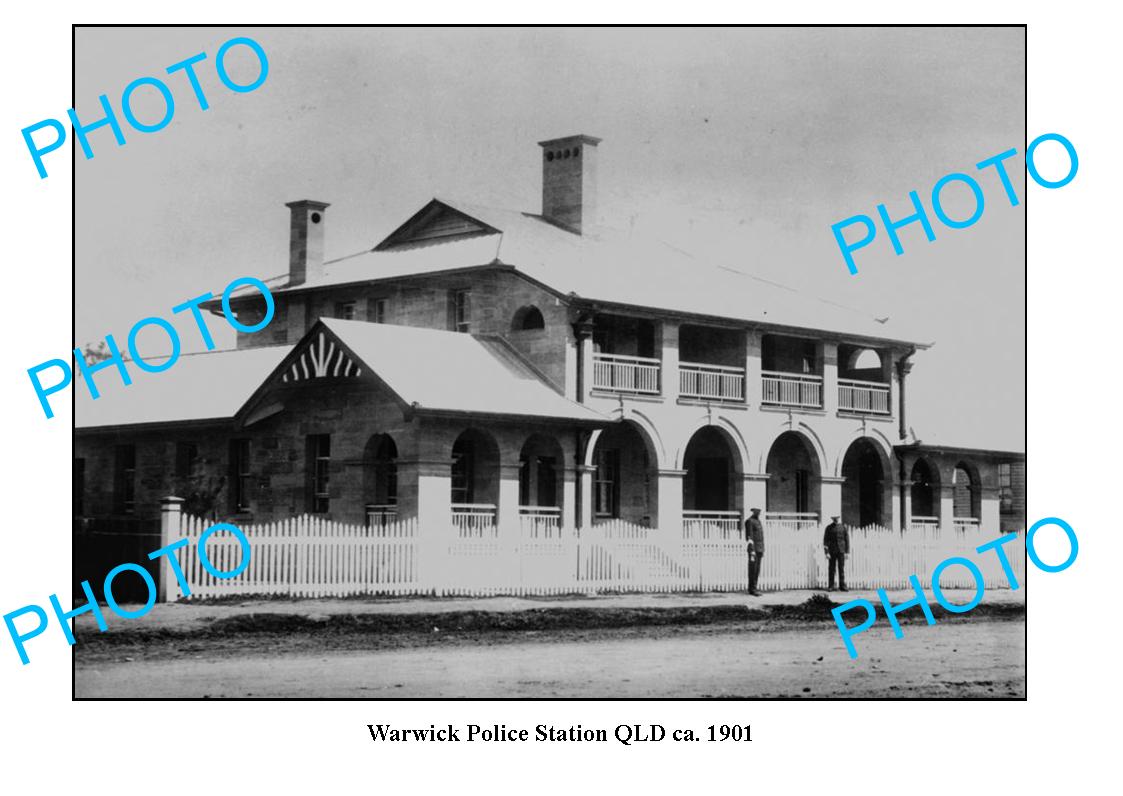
point(959, 659)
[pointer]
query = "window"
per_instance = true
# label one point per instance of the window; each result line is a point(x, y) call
point(606, 495)
point(1005, 488)
point(319, 471)
point(378, 311)
point(345, 310)
point(79, 487)
point(186, 456)
point(528, 318)
point(463, 471)
point(124, 479)
point(461, 311)
point(241, 482)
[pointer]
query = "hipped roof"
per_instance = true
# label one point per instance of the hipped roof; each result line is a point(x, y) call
point(601, 266)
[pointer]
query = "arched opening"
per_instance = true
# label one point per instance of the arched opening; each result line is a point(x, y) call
point(793, 479)
point(712, 488)
point(860, 361)
point(540, 482)
point(712, 472)
point(475, 482)
point(527, 319)
point(624, 481)
point(540, 462)
point(924, 493)
point(380, 479)
point(967, 503)
point(863, 491)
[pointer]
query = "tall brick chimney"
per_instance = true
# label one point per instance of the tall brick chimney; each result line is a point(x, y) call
point(569, 181)
point(306, 241)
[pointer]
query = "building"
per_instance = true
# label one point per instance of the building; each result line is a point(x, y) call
point(491, 371)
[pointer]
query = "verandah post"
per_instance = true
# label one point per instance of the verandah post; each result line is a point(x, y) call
point(171, 519)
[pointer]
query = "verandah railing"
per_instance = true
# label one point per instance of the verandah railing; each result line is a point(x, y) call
point(617, 373)
point(791, 389)
point(313, 557)
point(865, 397)
point(711, 524)
point(711, 382)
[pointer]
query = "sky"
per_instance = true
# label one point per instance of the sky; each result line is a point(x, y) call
point(742, 146)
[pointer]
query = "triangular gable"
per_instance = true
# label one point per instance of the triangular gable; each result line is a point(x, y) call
point(436, 222)
point(320, 354)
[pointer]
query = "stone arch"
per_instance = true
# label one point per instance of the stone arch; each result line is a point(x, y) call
point(863, 359)
point(541, 459)
point(527, 318)
point(713, 468)
point(734, 436)
point(652, 438)
point(808, 434)
point(380, 476)
point(924, 488)
point(867, 488)
point(475, 468)
point(626, 472)
point(967, 490)
point(794, 465)
point(875, 436)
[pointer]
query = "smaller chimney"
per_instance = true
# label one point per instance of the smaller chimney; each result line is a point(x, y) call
point(306, 241)
point(569, 182)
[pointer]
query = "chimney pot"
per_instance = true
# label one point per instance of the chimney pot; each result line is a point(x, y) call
point(306, 241)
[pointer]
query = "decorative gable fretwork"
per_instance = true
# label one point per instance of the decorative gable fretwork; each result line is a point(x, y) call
point(321, 358)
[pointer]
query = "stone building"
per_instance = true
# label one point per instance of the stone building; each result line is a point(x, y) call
point(488, 369)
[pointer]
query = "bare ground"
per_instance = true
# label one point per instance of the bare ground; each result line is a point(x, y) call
point(560, 653)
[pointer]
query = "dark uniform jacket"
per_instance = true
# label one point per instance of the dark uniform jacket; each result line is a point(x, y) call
point(836, 538)
point(754, 532)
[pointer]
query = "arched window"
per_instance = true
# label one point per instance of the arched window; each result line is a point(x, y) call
point(528, 318)
point(380, 479)
point(967, 493)
point(925, 491)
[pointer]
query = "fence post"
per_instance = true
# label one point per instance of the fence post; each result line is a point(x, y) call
point(171, 517)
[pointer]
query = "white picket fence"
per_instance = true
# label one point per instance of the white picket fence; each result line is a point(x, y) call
point(312, 557)
point(305, 557)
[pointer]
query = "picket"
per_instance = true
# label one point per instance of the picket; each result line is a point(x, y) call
point(310, 556)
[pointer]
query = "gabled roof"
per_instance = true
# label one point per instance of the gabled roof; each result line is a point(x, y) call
point(426, 371)
point(603, 266)
point(436, 371)
point(436, 222)
point(198, 387)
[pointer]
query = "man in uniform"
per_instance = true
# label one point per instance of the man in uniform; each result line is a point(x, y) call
point(836, 544)
point(754, 541)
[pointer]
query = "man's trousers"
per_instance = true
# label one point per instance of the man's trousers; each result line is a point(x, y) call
point(754, 571)
point(836, 561)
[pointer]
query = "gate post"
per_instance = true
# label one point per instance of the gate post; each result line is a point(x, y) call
point(171, 516)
